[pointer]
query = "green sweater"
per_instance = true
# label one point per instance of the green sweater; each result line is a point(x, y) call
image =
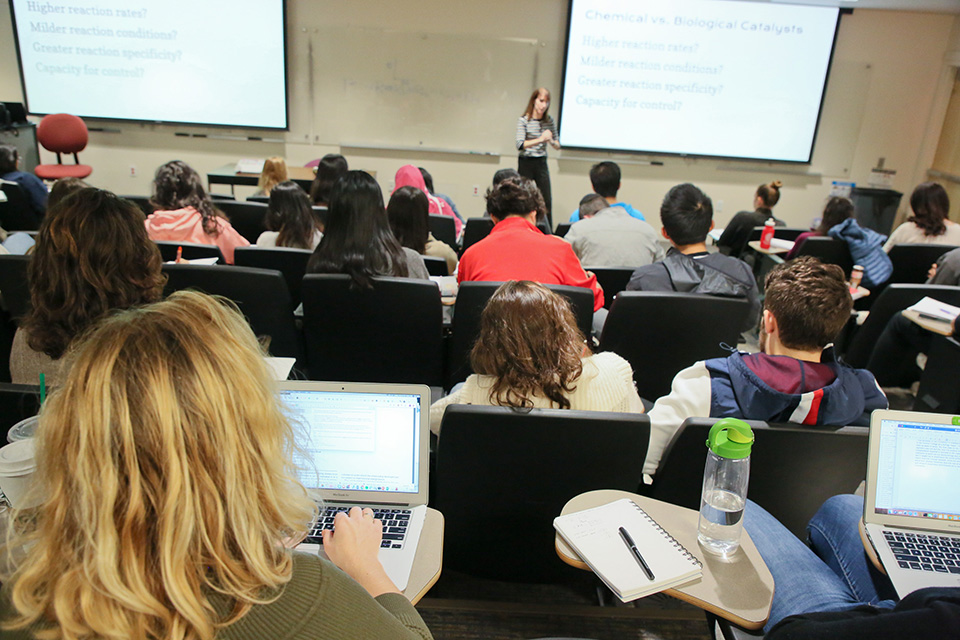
point(320, 601)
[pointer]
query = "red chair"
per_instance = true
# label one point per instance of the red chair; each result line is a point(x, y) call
point(62, 133)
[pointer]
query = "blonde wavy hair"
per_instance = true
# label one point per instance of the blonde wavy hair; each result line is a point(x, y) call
point(274, 172)
point(167, 478)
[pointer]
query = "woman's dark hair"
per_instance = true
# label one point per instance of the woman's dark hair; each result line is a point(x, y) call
point(8, 158)
point(92, 256)
point(515, 197)
point(62, 188)
point(930, 206)
point(769, 194)
point(529, 342)
point(357, 240)
point(504, 174)
point(837, 210)
point(533, 98)
point(427, 179)
point(177, 186)
point(290, 213)
point(331, 168)
point(409, 216)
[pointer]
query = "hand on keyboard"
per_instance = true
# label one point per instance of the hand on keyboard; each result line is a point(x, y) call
point(355, 547)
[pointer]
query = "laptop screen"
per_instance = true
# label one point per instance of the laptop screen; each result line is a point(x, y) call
point(918, 470)
point(356, 441)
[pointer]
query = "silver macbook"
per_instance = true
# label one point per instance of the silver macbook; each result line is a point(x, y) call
point(912, 502)
point(365, 445)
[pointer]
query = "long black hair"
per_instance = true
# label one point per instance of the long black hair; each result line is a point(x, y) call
point(408, 213)
point(290, 213)
point(357, 239)
point(331, 168)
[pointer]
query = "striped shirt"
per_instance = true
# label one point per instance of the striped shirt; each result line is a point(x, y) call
point(530, 129)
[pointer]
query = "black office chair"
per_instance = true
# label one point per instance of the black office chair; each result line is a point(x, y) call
point(292, 263)
point(321, 214)
point(939, 390)
point(141, 201)
point(476, 230)
point(220, 197)
point(390, 333)
point(17, 402)
point(246, 217)
point(191, 251)
point(828, 250)
point(16, 214)
point(612, 280)
point(444, 229)
point(261, 295)
point(261, 199)
point(661, 333)
point(503, 475)
point(894, 299)
point(436, 266)
point(793, 468)
point(562, 229)
point(14, 288)
point(472, 297)
point(911, 262)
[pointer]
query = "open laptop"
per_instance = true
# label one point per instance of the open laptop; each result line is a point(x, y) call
point(912, 502)
point(365, 445)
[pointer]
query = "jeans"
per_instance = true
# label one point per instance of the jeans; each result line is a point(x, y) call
point(833, 573)
point(894, 359)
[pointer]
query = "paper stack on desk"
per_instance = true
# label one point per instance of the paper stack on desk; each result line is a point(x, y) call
point(594, 535)
point(935, 310)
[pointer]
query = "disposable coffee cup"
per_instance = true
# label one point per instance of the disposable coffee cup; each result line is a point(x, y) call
point(17, 467)
point(23, 429)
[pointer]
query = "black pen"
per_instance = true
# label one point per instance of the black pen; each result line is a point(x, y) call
point(636, 553)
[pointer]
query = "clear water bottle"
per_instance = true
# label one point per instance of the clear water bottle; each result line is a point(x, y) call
point(725, 478)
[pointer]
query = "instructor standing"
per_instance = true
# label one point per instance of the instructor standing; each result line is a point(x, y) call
point(534, 130)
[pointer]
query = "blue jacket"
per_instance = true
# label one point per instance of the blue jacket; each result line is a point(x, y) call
point(33, 187)
point(727, 387)
point(866, 249)
point(575, 216)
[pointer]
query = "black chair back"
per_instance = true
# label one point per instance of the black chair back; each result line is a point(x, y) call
point(436, 266)
point(14, 287)
point(612, 280)
point(894, 299)
point(939, 390)
point(476, 230)
point(390, 333)
point(661, 333)
point(911, 262)
point(261, 295)
point(263, 199)
point(16, 214)
point(292, 263)
point(141, 201)
point(17, 402)
point(472, 297)
point(191, 251)
point(444, 229)
point(246, 217)
point(829, 250)
point(793, 468)
point(497, 465)
point(321, 214)
point(219, 197)
point(562, 229)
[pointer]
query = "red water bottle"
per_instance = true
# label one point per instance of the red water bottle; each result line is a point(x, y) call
point(767, 235)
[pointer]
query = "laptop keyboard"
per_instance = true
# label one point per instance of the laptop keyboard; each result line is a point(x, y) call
point(925, 552)
point(394, 521)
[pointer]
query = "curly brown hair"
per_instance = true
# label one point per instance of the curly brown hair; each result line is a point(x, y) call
point(529, 341)
point(176, 185)
point(515, 197)
point(810, 300)
point(92, 256)
point(930, 206)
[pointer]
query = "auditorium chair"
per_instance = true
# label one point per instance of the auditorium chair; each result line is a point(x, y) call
point(503, 475)
point(191, 251)
point(261, 295)
point(436, 266)
point(141, 201)
point(14, 287)
point(829, 250)
point(939, 390)
point(793, 468)
point(62, 133)
point(292, 263)
point(247, 218)
point(472, 297)
point(476, 230)
point(16, 214)
point(612, 280)
point(911, 262)
point(662, 332)
point(562, 229)
point(444, 229)
point(389, 333)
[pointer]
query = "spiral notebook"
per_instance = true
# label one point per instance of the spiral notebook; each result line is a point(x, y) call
point(595, 535)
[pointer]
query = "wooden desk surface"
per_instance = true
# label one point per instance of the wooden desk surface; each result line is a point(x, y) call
point(943, 328)
point(428, 561)
point(739, 589)
point(773, 250)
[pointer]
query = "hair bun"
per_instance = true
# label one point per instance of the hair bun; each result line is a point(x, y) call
point(776, 184)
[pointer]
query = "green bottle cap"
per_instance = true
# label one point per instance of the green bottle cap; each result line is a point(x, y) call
point(730, 438)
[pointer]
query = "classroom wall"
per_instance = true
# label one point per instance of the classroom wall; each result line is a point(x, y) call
point(889, 86)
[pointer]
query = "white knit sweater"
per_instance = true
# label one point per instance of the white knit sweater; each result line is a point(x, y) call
point(606, 384)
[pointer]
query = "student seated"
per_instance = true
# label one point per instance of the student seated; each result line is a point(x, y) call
point(33, 187)
point(409, 176)
point(331, 168)
point(428, 181)
point(687, 217)
point(169, 500)
point(827, 588)
point(794, 378)
point(929, 222)
point(408, 213)
point(273, 173)
point(530, 353)
point(735, 235)
point(92, 257)
point(185, 213)
point(516, 250)
point(836, 211)
point(62, 188)
point(357, 240)
point(607, 236)
point(290, 221)
point(605, 179)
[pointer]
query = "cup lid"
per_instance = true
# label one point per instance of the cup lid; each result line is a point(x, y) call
point(18, 458)
point(731, 438)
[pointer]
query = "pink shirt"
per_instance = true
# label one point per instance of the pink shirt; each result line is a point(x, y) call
point(186, 225)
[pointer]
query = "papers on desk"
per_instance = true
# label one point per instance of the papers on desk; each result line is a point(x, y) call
point(715, 234)
point(778, 243)
point(203, 261)
point(280, 367)
point(931, 309)
point(249, 165)
point(594, 534)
